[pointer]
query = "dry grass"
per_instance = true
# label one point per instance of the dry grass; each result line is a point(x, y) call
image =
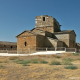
point(10, 70)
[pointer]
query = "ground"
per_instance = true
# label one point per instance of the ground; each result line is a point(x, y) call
point(15, 68)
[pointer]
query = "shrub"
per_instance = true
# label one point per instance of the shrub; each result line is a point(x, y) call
point(1, 67)
point(67, 61)
point(75, 54)
point(34, 61)
point(70, 67)
point(22, 62)
point(0, 61)
point(55, 63)
point(44, 62)
point(6, 61)
point(25, 63)
point(13, 58)
point(58, 57)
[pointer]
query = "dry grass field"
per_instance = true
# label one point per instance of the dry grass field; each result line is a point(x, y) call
point(65, 66)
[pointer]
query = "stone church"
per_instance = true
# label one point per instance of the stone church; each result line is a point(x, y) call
point(47, 33)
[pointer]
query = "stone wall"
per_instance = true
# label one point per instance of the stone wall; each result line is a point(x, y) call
point(8, 45)
point(40, 41)
point(48, 28)
point(60, 44)
point(64, 38)
point(30, 42)
point(50, 42)
point(47, 23)
point(68, 39)
point(40, 22)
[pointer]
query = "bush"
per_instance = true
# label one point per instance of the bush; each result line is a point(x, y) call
point(22, 62)
point(58, 57)
point(1, 67)
point(75, 54)
point(30, 61)
point(67, 61)
point(55, 63)
point(6, 61)
point(70, 67)
point(0, 61)
point(44, 62)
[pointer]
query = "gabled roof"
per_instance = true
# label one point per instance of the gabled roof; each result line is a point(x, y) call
point(37, 29)
point(28, 32)
point(65, 32)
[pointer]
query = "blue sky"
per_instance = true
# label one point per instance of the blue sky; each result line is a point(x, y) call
point(19, 15)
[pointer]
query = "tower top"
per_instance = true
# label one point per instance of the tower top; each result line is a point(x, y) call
point(45, 20)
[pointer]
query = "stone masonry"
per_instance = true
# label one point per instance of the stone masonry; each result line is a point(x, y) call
point(47, 33)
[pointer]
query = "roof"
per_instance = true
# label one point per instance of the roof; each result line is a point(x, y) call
point(28, 32)
point(8, 43)
point(37, 29)
point(64, 32)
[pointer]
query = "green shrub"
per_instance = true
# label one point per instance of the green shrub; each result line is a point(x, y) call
point(70, 67)
point(25, 63)
point(6, 61)
point(44, 62)
point(55, 63)
point(58, 57)
point(67, 61)
point(0, 61)
point(34, 61)
point(22, 62)
point(1, 67)
point(75, 54)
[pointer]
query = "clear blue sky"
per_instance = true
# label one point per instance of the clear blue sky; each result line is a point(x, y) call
point(19, 15)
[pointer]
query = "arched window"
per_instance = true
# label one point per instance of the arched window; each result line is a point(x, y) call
point(25, 43)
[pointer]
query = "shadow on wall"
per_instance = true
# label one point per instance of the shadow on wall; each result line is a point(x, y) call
point(54, 37)
point(48, 43)
point(64, 45)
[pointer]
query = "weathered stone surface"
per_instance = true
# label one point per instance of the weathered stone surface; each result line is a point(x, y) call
point(47, 33)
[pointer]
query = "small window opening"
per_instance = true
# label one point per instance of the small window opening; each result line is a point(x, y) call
point(4, 45)
point(25, 43)
point(43, 18)
point(11, 47)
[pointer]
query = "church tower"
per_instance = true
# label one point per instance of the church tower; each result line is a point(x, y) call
point(47, 23)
